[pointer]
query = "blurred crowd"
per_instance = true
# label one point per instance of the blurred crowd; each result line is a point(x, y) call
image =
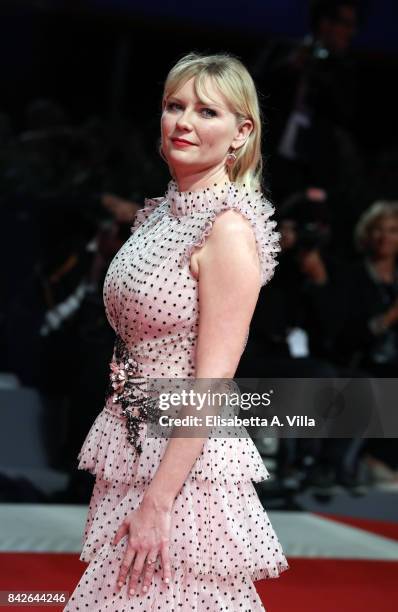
point(69, 194)
point(332, 308)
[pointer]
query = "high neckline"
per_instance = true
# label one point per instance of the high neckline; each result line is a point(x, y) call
point(201, 200)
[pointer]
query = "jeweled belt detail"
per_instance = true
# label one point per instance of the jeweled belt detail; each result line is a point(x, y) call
point(130, 391)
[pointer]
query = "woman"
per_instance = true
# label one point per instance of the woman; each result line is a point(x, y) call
point(369, 332)
point(176, 524)
point(368, 336)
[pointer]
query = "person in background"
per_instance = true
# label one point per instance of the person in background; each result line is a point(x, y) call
point(368, 336)
point(310, 88)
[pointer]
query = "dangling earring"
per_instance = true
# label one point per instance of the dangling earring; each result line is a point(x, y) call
point(231, 159)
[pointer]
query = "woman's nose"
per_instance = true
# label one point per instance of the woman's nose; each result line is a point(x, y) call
point(184, 119)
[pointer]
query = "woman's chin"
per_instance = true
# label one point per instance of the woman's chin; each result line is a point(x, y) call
point(182, 162)
point(180, 154)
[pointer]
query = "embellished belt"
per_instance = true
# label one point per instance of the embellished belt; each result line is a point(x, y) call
point(129, 391)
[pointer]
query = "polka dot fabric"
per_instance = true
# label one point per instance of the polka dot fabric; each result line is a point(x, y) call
point(221, 537)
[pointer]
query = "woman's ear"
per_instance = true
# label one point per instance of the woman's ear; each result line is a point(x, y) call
point(242, 133)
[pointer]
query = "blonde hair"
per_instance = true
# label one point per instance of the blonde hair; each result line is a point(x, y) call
point(233, 81)
point(377, 211)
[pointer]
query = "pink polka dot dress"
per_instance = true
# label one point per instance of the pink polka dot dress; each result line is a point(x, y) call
point(221, 537)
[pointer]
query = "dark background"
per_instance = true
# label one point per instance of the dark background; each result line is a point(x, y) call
point(111, 57)
point(99, 68)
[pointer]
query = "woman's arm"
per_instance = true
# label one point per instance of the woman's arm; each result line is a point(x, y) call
point(229, 285)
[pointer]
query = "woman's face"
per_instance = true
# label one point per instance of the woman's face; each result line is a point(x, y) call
point(208, 126)
point(384, 236)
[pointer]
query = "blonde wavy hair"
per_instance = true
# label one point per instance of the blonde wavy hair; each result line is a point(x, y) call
point(233, 81)
point(367, 221)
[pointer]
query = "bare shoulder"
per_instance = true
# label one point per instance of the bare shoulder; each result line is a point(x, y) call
point(232, 234)
point(231, 218)
point(232, 228)
point(230, 224)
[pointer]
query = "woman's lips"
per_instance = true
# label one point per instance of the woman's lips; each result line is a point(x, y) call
point(181, 143)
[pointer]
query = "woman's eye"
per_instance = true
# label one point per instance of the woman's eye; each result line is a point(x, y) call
point(170, 105)
point(209, 110)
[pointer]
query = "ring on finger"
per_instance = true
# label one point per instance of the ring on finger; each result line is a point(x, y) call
point(150, 561)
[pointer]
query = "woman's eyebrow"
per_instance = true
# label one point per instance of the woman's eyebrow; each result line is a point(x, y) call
point(200, 103)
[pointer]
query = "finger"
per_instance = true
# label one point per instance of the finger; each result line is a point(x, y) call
point(125, 566)
point(123, 529)
point(149, 570)
point(166, 564)
point(137, 570)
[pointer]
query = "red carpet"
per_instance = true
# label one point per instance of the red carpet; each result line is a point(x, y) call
point(332, 585)
point(311, 585)
point(39, 572)
point(383, 528)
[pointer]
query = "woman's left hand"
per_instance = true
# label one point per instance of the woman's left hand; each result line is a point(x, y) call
point(148, 528)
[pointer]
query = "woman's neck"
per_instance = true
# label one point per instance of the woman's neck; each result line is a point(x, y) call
point(196, 182)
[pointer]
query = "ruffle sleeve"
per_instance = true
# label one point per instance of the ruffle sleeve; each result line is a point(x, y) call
point(258, 211)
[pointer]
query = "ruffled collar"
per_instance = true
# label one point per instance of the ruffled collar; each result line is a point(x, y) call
point(183, 203)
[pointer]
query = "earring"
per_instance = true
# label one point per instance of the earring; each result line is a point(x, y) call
point(231, 159)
